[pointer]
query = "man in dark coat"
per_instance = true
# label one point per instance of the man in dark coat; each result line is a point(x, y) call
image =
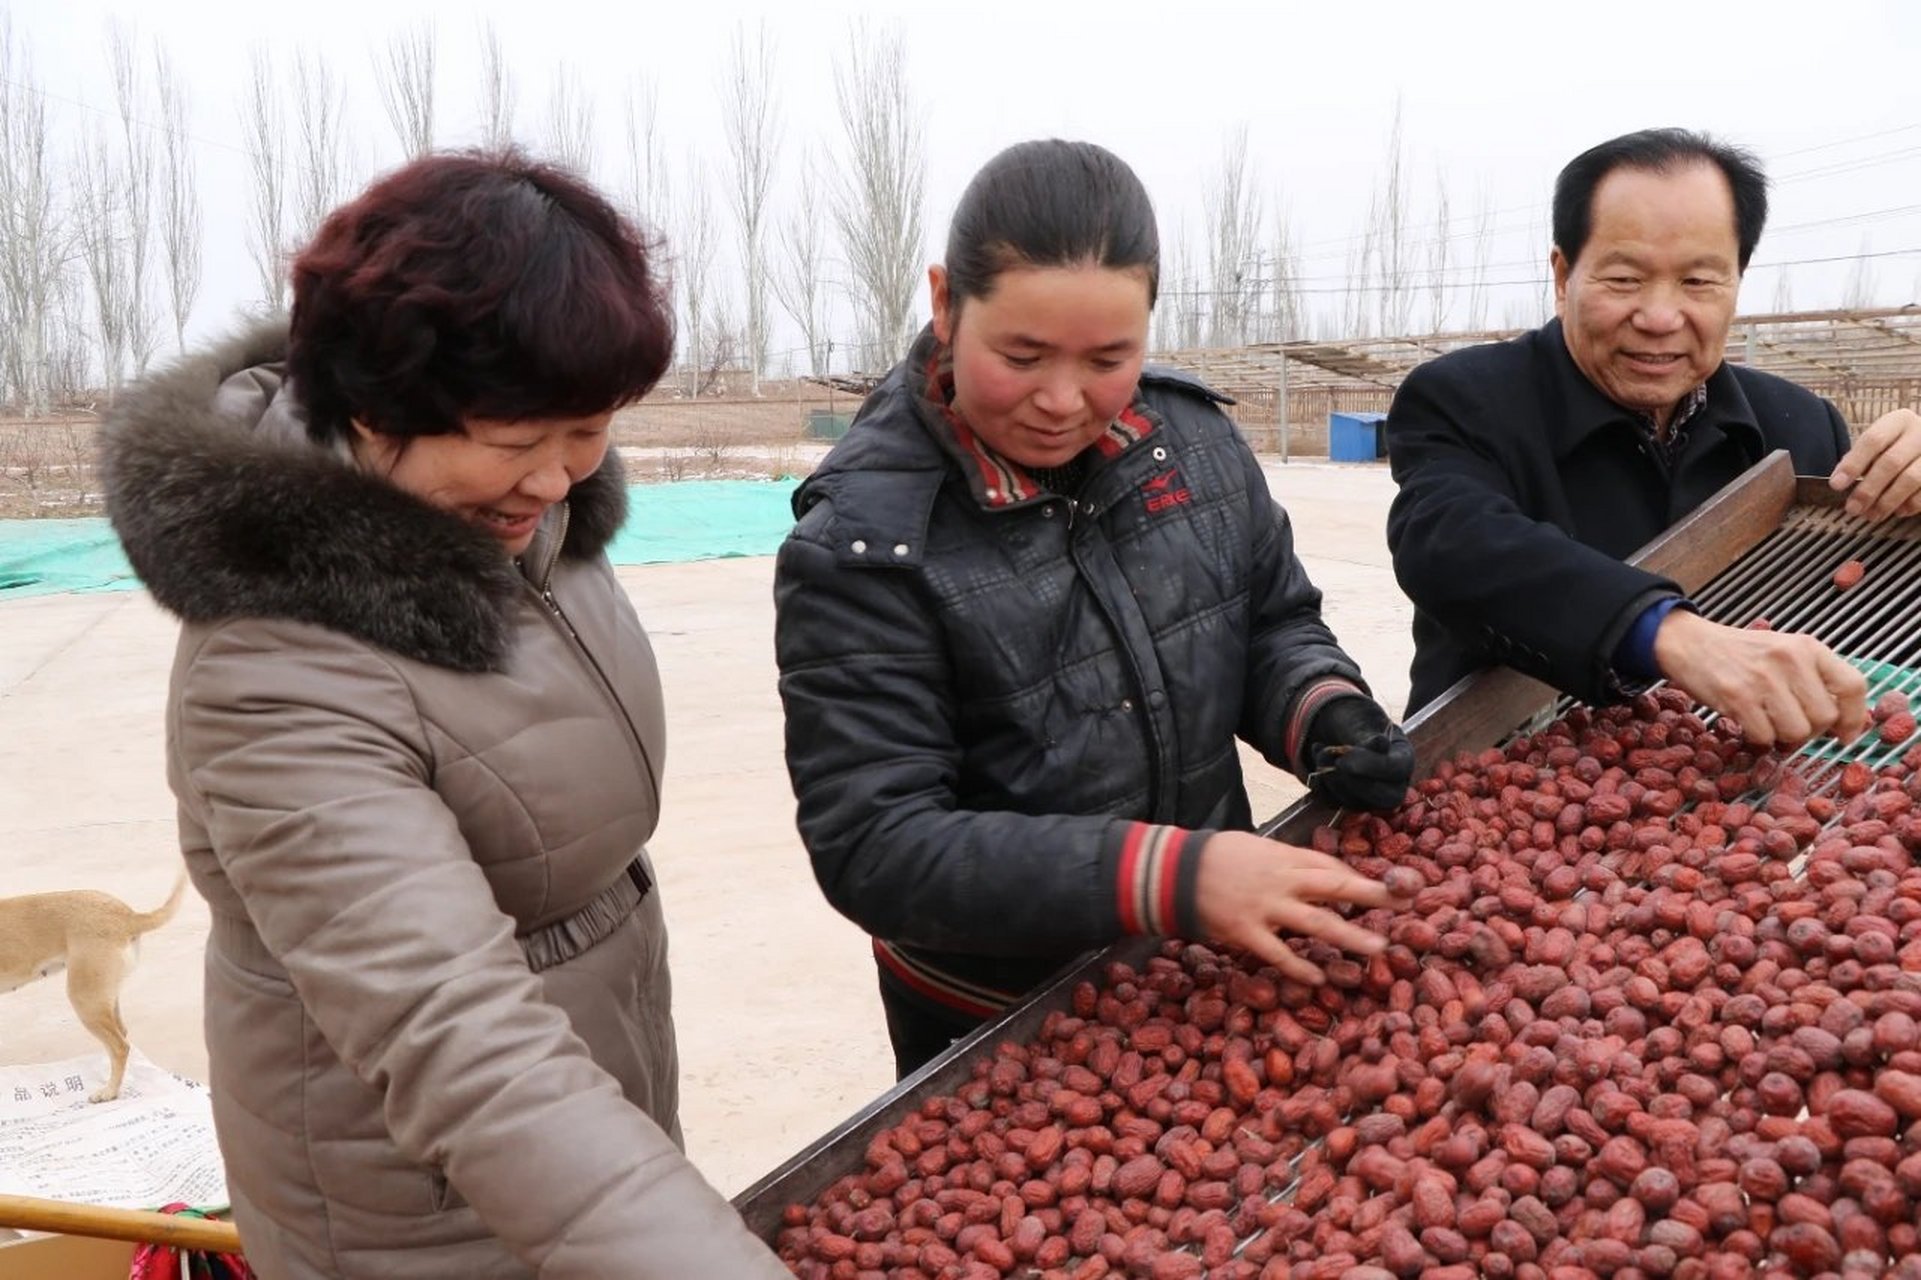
point(1530, 469)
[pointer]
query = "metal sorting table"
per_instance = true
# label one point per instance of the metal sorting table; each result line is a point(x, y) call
point(1766, 546)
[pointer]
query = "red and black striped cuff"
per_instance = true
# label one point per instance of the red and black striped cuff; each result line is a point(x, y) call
point(971, 998)
point(1154, 878)
point(1301, 718)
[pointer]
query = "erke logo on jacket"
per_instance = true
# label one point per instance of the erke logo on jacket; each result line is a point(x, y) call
point(1165, 492)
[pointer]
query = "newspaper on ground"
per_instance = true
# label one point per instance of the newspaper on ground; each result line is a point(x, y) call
point(151, 1146)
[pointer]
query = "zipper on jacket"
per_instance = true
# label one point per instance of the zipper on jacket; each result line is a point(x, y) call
point(544, 587)
point(1162, 771)
point(544, 579)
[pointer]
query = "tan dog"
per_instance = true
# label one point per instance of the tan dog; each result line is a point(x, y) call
point(94, 937)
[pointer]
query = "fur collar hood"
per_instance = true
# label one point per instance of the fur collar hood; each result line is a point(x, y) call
point(227, 509)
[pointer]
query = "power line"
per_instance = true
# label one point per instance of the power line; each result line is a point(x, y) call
point(1468, 232)
point(1454, 270)
point(1481, 225)
point(1454, 277)
point(1844, 219)
point(1772, 234)
point(1419, 282)
point(1842, 142)
point(1498, 226)
point(1839, 257)
point(1850, 166)
point(149, 127)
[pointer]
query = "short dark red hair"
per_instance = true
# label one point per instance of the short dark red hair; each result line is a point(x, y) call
point(474, 284)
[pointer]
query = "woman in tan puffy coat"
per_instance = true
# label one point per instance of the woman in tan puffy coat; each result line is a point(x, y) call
point(416, 735)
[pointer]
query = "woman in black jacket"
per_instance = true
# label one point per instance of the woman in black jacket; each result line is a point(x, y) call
point(1033, 598)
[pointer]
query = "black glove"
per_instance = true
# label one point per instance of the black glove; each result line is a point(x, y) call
point(1360, 758)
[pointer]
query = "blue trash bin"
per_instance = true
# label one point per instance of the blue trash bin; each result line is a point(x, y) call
point(1356, 437)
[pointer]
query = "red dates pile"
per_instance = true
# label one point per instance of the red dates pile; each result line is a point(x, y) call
point(1635, 1024)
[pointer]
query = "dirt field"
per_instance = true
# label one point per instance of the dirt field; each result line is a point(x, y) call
point(47, 469)
point(47, 466)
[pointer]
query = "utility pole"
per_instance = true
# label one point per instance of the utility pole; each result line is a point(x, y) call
point(1280, 406)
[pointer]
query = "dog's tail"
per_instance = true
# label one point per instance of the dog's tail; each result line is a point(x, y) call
point(148, 921)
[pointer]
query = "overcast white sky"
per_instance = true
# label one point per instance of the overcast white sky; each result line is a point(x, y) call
point(1496, 97)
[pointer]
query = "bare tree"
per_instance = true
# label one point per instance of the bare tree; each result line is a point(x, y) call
point(1483, 247)
point(33, 227)
point(103, 250)
point(69, 343)
point(570, 122)
point(1541, 233)
point(1168, 300)
point(721, 345)
point(647, 186)
point(1187, 311)
point(877, 203)
point(265, 131)
point(1289, 320)
point(698, 238)
point(1357, 316)
point(9, 357)
point(1437, 256)
point(141, 320)
point(1393, 250)
point(797, 280)
point(321, 180)
point(1860, 289)
point(1233, 206)
point(406, 80)
point(497, 92)
point(753, 142)
point(721, 349)
point(179, 200)
point(1520, 313)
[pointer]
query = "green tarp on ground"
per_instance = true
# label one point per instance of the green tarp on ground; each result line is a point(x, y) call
point(668, 523)
point(39, 557)
point(704, 520)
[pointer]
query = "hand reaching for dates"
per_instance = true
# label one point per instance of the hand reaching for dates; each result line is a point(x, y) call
point(1250, 888)
point(1780, 687)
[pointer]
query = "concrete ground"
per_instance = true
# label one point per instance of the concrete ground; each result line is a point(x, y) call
point(780, 1027)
